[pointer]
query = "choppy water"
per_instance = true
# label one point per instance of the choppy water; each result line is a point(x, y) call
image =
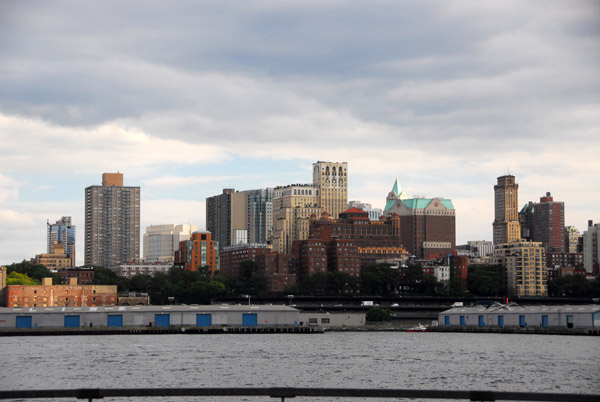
point(500, 362)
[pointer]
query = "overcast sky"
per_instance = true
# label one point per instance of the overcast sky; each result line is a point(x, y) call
point(186, 98)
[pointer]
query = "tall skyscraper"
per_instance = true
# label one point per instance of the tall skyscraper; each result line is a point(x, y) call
point(161, 241)
point(62, 232)
point(506, 219)
point(227, 217)
point(331, 182)
point(260, 215)
point(591, 248)
point(112, 222)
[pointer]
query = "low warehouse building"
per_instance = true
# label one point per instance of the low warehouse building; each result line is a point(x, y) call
point(499, 315)
point(333, 320)
point(156, 316)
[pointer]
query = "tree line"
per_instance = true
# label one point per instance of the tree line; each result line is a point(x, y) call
point(200, 287)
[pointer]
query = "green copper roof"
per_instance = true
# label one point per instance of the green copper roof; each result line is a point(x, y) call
point(420, 203)
point(395, 188)
point(389, 205)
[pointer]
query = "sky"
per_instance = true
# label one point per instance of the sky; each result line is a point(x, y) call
point(187, 98)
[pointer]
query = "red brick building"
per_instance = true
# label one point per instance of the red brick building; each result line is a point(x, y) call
point(277, 267)
point(83, 275)
point(278, 270)
point(232, 256)
point(427, 225)
point(544, 222)
point(460, 263)
point(72, 295)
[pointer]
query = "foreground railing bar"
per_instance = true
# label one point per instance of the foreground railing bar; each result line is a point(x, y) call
point(99, 393)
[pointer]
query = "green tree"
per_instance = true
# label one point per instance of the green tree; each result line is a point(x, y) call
point(17, 278)
point(455, 285)
point(34, 271)
point(379, 280)
point(377, 314)
point(140, 283)
point(486, 280)
point(571, 286)
point(251, 279)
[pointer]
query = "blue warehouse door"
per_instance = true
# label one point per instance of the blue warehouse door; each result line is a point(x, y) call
point(23, 321)
point(446, 320)
point(545, 321)
point(162, 320)
point(203, 320)
point(462, 320)
point(249, 320)
point(522, 322)
point(115, 320)
point(500, 321)
point(71, 321)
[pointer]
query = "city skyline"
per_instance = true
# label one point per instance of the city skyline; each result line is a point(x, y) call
point(189, 99)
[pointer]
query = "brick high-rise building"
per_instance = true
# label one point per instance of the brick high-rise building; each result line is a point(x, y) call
point(544, 222)
point(348, 243)
point(112, 222)
point(506, 213)
point(427, 225)
point(232, 256)
point(62, 232)
point(227, 217)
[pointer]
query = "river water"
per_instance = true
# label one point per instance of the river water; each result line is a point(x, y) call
point(443, 361)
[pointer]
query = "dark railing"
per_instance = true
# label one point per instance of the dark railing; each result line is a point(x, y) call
point(99, 393)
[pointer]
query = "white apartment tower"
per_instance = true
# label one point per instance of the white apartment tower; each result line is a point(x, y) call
point(161, 241)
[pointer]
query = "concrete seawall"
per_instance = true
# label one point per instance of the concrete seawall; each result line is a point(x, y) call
point(160, 331)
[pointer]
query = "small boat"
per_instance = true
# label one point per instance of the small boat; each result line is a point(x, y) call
point(418, 328)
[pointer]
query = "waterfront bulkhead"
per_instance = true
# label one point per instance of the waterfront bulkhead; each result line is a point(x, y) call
point(146, 316)
point(505, 316)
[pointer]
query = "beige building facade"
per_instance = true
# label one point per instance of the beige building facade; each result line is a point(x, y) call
point(525, 266)
point(506, 225)
point(227, 217)
point(57, 260)
point(292, 207)
point(331, 182)
point(294, 204)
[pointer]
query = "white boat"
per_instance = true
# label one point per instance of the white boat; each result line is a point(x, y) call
point(418, 328)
